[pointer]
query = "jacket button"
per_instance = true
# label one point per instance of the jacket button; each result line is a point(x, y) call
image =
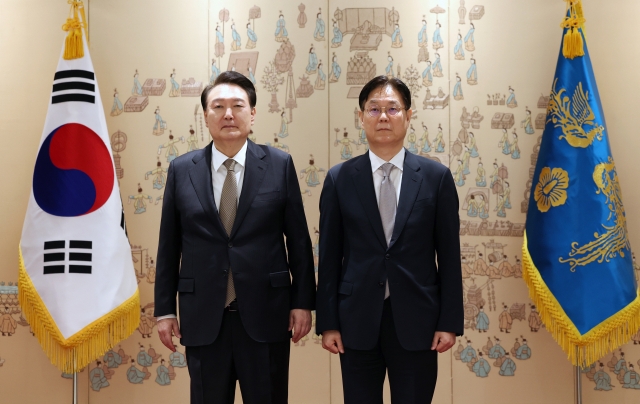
point(387, 256)
point(230, 245)
point(381, 284)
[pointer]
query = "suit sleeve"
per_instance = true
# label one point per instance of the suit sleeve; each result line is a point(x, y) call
point(330, 260)
point(169, 251)
point(447, 243)
point(299, 252)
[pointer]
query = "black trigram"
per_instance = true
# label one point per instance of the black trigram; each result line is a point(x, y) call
point(67, 87)
point(55, 261)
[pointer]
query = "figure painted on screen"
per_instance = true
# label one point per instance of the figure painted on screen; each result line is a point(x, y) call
point(481, 368)
point(422, 35)
point(139, 201)
point(175, 87)
point(524, 351)
point(511, 100)
point(482, 321)
point(437, 67)
point(215, 72)
point(457, 89)
point(112, 359)
point(163, 375)
point(389, 69)
point(236, 43)
point(284, 125)
point(159, 175)
point(335, 69)
point(473, 147)
point(252, 38)
point(117, 107)
point(439, 140)
point(160, 125)
point(472, 207)
point(177, 359)
point(337, 35)
point(526, 123)
point(8, 324)
point(472, 73)
point(458, 50)
point(312, 65)
point(424, 140)
point(318, 34)
point(466, 157)
point(602, 379)
point(311, 174)
point(468, 353)
point(505, 320)
point(396, 37)
point(137, 87)
point(534, 320)
point(412, 139)
point(469, 40)
point(496, 351)
point(481, 179)
point(508, 367)
point(345, 146)
point(135, 375)
point(427, 77)
point(515, 150)
point(97, 378)
point(458, 176)
point(506, 193)
point(437, 38)
point(321, 78)
point(192, 140)
point(281, 31)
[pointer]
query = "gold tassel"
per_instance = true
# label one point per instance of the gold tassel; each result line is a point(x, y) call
point(73, 46)
point(88, 344)
point(573, 45)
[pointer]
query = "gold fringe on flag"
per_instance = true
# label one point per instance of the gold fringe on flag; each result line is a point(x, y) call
point(572, 44)
point(90, 343)
point(73, 47)
point(582, 350)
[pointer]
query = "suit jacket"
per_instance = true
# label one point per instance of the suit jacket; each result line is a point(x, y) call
point(195, 253)
point(355, 261)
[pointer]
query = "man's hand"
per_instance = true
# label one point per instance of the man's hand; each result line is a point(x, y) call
point(332, 341)
point(166, 328)
point(443, 341)
point(300, 323)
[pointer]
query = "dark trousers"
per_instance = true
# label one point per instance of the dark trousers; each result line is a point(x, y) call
point(261, 368)
point(412, 374)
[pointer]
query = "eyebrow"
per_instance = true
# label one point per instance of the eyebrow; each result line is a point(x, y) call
point(375, 101)
point(227, 99)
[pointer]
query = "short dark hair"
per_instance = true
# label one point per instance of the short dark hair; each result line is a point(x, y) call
point(382, 81)
point(234, 78)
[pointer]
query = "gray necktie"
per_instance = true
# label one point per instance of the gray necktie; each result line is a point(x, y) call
point(227, 211)
point(387, 206)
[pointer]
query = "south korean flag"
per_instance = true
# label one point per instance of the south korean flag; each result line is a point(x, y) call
point(77, 283)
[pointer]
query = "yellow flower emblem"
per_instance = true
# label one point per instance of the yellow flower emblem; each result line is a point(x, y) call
point(551, 189)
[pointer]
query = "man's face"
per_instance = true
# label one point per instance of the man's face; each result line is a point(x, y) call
point(229, 115)
point(385, 129)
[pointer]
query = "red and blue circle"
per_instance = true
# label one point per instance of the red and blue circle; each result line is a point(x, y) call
point(74, 173)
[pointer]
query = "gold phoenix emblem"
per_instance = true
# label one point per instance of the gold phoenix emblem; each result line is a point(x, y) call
point(551, 189)
point(574, 116)
point(614, 239)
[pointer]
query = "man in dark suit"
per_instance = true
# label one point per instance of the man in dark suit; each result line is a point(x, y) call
point(241, 287)
point(389, 277)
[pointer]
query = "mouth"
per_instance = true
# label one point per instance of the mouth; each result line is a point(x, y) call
point(229, 127)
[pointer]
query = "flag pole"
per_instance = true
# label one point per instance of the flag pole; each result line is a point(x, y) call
point(75, 378)
point(577, 384)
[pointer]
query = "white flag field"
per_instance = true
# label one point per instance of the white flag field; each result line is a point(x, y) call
point(77, 284)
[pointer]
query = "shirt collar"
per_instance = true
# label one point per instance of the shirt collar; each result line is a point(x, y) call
point(377, 162)
point(218, 158)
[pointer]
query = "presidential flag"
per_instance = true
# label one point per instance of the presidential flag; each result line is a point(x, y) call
point(576, 253)
point(77, 285)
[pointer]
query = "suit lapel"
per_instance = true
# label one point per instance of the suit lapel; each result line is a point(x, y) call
point(201, 180)
point(363, 179)
point(411, 181)
point(254, 171)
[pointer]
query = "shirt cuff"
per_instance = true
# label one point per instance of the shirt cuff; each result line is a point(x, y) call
point(165, 317)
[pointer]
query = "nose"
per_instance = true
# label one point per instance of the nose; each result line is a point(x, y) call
point(383, 116)
point(228, 113)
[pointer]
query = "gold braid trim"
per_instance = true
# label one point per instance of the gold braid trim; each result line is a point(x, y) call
point(88, 344)
point(582, 350)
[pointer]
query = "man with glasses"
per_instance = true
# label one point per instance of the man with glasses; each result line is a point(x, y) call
point(241, 287)
point(389, 278)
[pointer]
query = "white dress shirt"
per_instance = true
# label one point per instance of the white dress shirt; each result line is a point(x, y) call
point(395, 175)
point(218, 175)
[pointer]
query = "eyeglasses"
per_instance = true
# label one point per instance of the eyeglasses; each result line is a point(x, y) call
point(376, 111)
